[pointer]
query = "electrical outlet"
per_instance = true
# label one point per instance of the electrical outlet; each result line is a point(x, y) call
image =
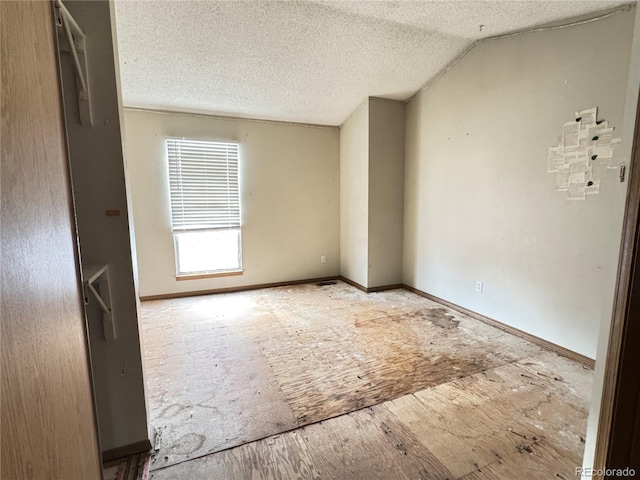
point(323, 259)
point(479, 287)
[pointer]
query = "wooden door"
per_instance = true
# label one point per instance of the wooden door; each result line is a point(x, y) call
point(48, 428)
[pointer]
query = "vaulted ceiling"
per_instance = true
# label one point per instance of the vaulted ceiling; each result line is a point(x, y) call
point(304, 61)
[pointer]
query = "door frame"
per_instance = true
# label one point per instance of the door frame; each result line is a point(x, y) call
point(619, 394)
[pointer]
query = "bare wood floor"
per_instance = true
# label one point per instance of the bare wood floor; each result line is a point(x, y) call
point(400, 387)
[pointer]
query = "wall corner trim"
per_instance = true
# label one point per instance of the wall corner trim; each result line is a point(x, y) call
point(381, 288)
point(241, 288)
point(352, 283)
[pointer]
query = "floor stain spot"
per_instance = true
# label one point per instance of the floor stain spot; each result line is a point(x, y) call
point(172, 411)
point(188, 443)
point(439, 317)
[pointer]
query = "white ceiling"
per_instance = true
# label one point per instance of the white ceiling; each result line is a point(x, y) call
point(304, 61)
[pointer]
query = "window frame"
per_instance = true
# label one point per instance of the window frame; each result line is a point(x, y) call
point(223, 272)
point(205, 273)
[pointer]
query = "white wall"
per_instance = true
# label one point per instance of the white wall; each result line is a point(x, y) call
point(386, 191)
point(479, 203)
point(354, 196)
point(289, 181)
point(99, 184)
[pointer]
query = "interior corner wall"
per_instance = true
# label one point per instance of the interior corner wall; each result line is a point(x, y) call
point(386, 192)
point(289, 196)
point(99, 184)
point(354, 196)
point(479, 203)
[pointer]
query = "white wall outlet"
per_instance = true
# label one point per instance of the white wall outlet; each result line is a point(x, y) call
point(323, 259)
point(479, 287)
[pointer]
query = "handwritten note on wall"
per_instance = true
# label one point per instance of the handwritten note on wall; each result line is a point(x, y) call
point(584, 153)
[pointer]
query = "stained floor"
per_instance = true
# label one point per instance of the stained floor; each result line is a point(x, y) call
point(386, 385)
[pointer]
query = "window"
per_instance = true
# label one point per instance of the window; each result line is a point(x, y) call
point(205, 206)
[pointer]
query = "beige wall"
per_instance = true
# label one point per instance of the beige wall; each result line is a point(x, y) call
point(386, 191)
point(479, 203)
point(354, 196)
point(99, 184)
point(289, 181)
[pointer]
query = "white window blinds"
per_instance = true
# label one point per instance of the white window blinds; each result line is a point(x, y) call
point(203, 181)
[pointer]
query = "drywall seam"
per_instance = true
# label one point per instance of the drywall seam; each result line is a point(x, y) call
point(225, 117)
point(453, 63)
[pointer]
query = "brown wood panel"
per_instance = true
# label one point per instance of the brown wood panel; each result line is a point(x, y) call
point(472, 422)
point(370, 444)
point(456, 427)
point(280, 456)
point(48, 423)
point(540, 460)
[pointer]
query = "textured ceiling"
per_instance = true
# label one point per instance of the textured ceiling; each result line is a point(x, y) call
point(304, 61)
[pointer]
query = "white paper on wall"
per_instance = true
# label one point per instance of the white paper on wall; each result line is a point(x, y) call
point(577, 191)
point(562, 179)
point(570, 134)
point(601, 152)
point(603, 137)
point(593, 188)
point(578, 171)
point(585, 150)
point(588, 116)
point(586, 119)
point(570, 155)
point(555, 159)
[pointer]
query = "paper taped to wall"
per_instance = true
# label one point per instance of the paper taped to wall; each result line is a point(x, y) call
point(571, 134)
point(593, 188)
point(584, 151)
point(562, 179)
point(577, 191)
point(578, 171)
point(555, 159)
point(588, 116)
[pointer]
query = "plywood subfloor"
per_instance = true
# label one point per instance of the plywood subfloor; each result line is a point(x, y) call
point(510, 422)
point(228, 369)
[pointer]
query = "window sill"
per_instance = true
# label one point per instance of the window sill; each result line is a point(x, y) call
point(199, 276)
